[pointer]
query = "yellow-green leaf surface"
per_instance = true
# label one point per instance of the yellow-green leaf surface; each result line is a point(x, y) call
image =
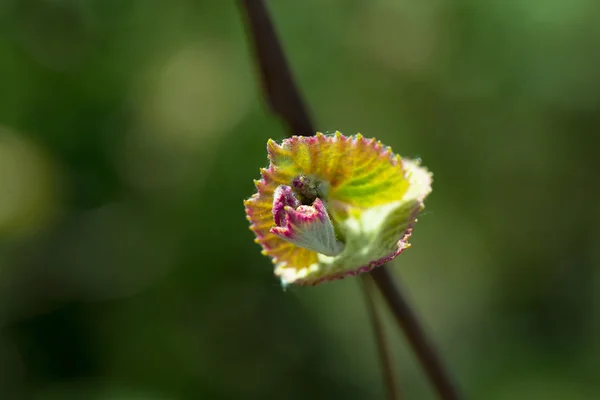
point(371, 198)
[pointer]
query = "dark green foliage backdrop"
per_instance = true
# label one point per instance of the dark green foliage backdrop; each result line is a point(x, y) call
point(130, 132)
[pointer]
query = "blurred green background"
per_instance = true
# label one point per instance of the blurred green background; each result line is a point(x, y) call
point(131, 131)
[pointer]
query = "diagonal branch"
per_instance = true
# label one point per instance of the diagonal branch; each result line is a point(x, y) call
point(421, 345)
point(281, 92)
point(285, 101)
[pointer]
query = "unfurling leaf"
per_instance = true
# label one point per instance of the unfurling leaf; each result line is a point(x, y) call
point(329, 206)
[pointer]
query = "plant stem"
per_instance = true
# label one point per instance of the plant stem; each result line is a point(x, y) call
point(423, 348)
point(285, 101)
point(279, 87)
point(385, 355)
